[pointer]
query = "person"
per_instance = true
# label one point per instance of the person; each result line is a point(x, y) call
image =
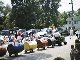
point(4, 39)
point(12, 39)
point(53, 30)
point(71, 32)
point(19, 37)
point(15, 33)
point(25, 34)
point(77, 34)
point(19, 33)
point(57, 35)
point(31, 36)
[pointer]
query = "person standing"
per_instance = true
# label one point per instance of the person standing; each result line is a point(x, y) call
point(19, 37)
point(57, 35)
point(71, 32)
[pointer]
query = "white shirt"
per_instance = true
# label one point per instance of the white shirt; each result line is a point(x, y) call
point(52, 39)
point(53, 31)
point(71, 32)
point(57, 34)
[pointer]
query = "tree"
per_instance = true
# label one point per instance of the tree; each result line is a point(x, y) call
point(7, 23)
point(50, 12)
point(78, 11)
point(4, 15)
point(23, 11)
point(34, 13)
point(1, 12)
point(62, 17)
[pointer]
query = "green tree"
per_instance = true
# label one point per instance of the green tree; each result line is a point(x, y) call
point(78, 11)
point(50, 12)
point(34, 13)
point(1, 12)
point(7, 23)
point(4, 15)
point(23, 12)
point(62, 18)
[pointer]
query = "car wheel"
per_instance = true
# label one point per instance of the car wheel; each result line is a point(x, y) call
point(59, 43)
point(10, 54)
point(43, 48)
point(31, 50)
point(65, 43)
point(16, 54)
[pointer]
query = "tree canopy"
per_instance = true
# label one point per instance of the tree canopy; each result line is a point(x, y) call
point(34, 13)
point(4, 16)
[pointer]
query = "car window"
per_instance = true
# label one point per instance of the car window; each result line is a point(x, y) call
point(60, 29)
point(4, 32)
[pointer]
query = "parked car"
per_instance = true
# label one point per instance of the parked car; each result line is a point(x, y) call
point(60, 30)
point(65, 33)
point(33, 31)
point(43, 32)
point(4, 34)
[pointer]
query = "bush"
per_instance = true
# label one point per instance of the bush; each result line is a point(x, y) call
point(59, 58)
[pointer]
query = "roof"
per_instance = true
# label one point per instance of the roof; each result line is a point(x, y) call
point(75, 18)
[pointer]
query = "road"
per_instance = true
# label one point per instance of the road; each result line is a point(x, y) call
point(48, 54)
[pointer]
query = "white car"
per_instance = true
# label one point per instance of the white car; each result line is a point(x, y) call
point(4, 33)
point(41, 33)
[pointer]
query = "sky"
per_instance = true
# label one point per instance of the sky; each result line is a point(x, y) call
point(65, 6)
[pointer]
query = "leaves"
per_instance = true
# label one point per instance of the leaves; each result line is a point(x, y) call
point(4, 15)
point(62, 17)
point(34, 13)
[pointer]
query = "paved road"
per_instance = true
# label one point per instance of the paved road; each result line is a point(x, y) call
point(49, 53)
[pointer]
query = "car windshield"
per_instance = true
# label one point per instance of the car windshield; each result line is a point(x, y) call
point(59, 29)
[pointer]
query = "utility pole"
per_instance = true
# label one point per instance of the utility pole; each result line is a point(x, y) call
point(72, 7)
point(72, 13)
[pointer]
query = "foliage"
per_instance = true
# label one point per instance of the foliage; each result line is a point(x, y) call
point(1, 12)
point(63, 16)
point(7, 23)
point(4, 16)
point(78, 11)
point(34, 13)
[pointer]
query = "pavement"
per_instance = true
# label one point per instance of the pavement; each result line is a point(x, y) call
point(48, 54)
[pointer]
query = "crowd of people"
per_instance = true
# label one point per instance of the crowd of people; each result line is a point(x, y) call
point(19, 36)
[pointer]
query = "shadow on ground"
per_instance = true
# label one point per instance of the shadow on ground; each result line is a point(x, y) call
point(36, 56)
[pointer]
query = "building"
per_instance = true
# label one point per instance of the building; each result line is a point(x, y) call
point(72, 22)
